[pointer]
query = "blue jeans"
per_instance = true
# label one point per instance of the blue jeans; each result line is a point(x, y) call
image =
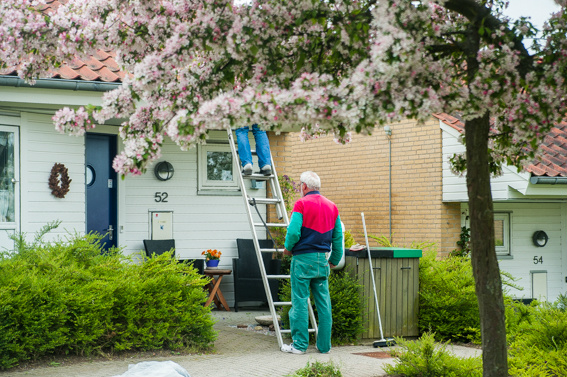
point(310, 271)
point(262, 146)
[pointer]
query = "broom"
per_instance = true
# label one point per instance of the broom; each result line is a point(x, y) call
point(380, 342)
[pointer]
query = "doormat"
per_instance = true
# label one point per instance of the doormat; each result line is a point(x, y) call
point(376, 355)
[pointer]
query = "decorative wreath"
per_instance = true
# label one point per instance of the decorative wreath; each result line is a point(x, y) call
point(59, 181)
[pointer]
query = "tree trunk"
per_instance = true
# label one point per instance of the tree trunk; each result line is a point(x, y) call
point(484, 262)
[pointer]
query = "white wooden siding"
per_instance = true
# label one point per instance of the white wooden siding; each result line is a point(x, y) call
point(525, 219)
point(41, 147)
point(454, 186)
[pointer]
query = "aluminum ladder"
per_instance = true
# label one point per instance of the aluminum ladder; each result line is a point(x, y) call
point(255, 225)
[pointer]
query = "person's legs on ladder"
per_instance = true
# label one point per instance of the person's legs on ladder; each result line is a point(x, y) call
point(262, 149)
point(244, 151)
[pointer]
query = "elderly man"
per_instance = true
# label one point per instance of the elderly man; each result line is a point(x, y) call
point(315, 226)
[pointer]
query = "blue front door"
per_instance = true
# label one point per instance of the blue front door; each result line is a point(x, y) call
point(101, 187)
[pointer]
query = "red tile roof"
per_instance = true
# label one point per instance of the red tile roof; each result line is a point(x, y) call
point(553, 159)
point(99, 67)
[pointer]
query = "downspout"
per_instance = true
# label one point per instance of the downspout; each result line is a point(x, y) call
point(91, 86)
point(548, 180)
point(388, 131)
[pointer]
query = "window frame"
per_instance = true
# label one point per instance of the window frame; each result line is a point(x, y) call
point(211, 186)
point(505, 249)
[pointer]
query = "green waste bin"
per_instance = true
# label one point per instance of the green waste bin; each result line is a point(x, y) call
point(396, 273)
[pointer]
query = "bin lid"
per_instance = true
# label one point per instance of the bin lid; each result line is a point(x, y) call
point(385, 252)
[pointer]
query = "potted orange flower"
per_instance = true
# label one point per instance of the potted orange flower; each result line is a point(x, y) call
point(212, 257)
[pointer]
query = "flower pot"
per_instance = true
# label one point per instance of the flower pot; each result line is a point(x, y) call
point(212, 264)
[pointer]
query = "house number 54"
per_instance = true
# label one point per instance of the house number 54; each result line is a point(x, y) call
point(161, 197)
point(538, 260)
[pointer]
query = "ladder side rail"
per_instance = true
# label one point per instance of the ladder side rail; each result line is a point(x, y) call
point(278, 193)
point(255, 237)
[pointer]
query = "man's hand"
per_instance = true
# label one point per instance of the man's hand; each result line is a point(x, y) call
point(287, 252)
point(332, 265)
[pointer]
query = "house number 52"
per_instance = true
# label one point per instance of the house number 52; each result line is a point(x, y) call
point(538, 260)
point(161, 197)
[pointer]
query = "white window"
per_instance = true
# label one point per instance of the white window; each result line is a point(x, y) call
point(502, 233)
point(216, 168)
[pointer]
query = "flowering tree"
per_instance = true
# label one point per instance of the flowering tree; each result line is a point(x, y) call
point(335, 66)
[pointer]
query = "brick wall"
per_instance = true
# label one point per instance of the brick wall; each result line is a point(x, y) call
point(356, 177)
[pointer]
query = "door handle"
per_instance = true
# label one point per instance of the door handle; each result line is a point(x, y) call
point(14, 181)
point(110, 232)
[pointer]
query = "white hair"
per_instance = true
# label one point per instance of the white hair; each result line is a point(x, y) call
point(311, 179)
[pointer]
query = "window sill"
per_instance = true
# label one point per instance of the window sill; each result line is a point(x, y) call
point(504, 257)
point(219, 192)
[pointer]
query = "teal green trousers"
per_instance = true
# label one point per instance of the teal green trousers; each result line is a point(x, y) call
point(310, 271)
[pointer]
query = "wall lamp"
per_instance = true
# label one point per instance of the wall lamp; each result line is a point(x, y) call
point(540, 238)
point(163, 171)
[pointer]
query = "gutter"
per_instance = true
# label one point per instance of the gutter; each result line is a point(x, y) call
point(90, 86)
point(548, 180)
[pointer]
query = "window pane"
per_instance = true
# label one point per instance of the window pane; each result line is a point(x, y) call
point(219, 166)
point(499, 232)
point(6, 176)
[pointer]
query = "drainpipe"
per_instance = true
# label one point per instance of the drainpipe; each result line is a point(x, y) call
point(548, 180)
point(388, 131)
point(91, 86)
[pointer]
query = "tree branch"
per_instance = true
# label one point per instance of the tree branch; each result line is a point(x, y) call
point(475, 13)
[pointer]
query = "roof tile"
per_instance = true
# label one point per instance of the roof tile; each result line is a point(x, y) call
point(107, 75)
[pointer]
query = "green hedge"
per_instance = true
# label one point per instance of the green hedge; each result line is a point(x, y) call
point(537, 336)
point(448, 305)
point(66, 297)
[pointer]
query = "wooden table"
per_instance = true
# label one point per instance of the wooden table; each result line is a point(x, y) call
point(215, 293)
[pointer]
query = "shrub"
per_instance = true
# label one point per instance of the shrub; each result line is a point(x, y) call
point(317, 369)
point(349, 239)
point(537, 335)
point(425, 358)
point(346, 304)
point(65, 297)
point(447, 300)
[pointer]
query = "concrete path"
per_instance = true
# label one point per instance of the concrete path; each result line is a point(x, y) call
point(241, 353)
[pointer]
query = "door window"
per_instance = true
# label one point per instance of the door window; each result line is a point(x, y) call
point(7, 178)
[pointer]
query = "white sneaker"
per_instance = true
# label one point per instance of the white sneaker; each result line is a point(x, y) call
point(247, 169)
point(266, 170)
point(290, 348)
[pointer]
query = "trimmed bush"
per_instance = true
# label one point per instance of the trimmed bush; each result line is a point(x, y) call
point(537, 335)
point(69, 298)
point(425, 358)
point(346, 307)
point(448, 305)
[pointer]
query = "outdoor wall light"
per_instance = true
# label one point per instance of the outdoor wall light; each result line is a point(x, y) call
point(163, 171)
point(540, 238)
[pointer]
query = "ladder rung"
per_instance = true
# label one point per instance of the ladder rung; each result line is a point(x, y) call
point(279, 225)
point(272, 250)
point(278, 276)
point(258, 176)
point(288, 331)
point(264, 200)
point(282, 303)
